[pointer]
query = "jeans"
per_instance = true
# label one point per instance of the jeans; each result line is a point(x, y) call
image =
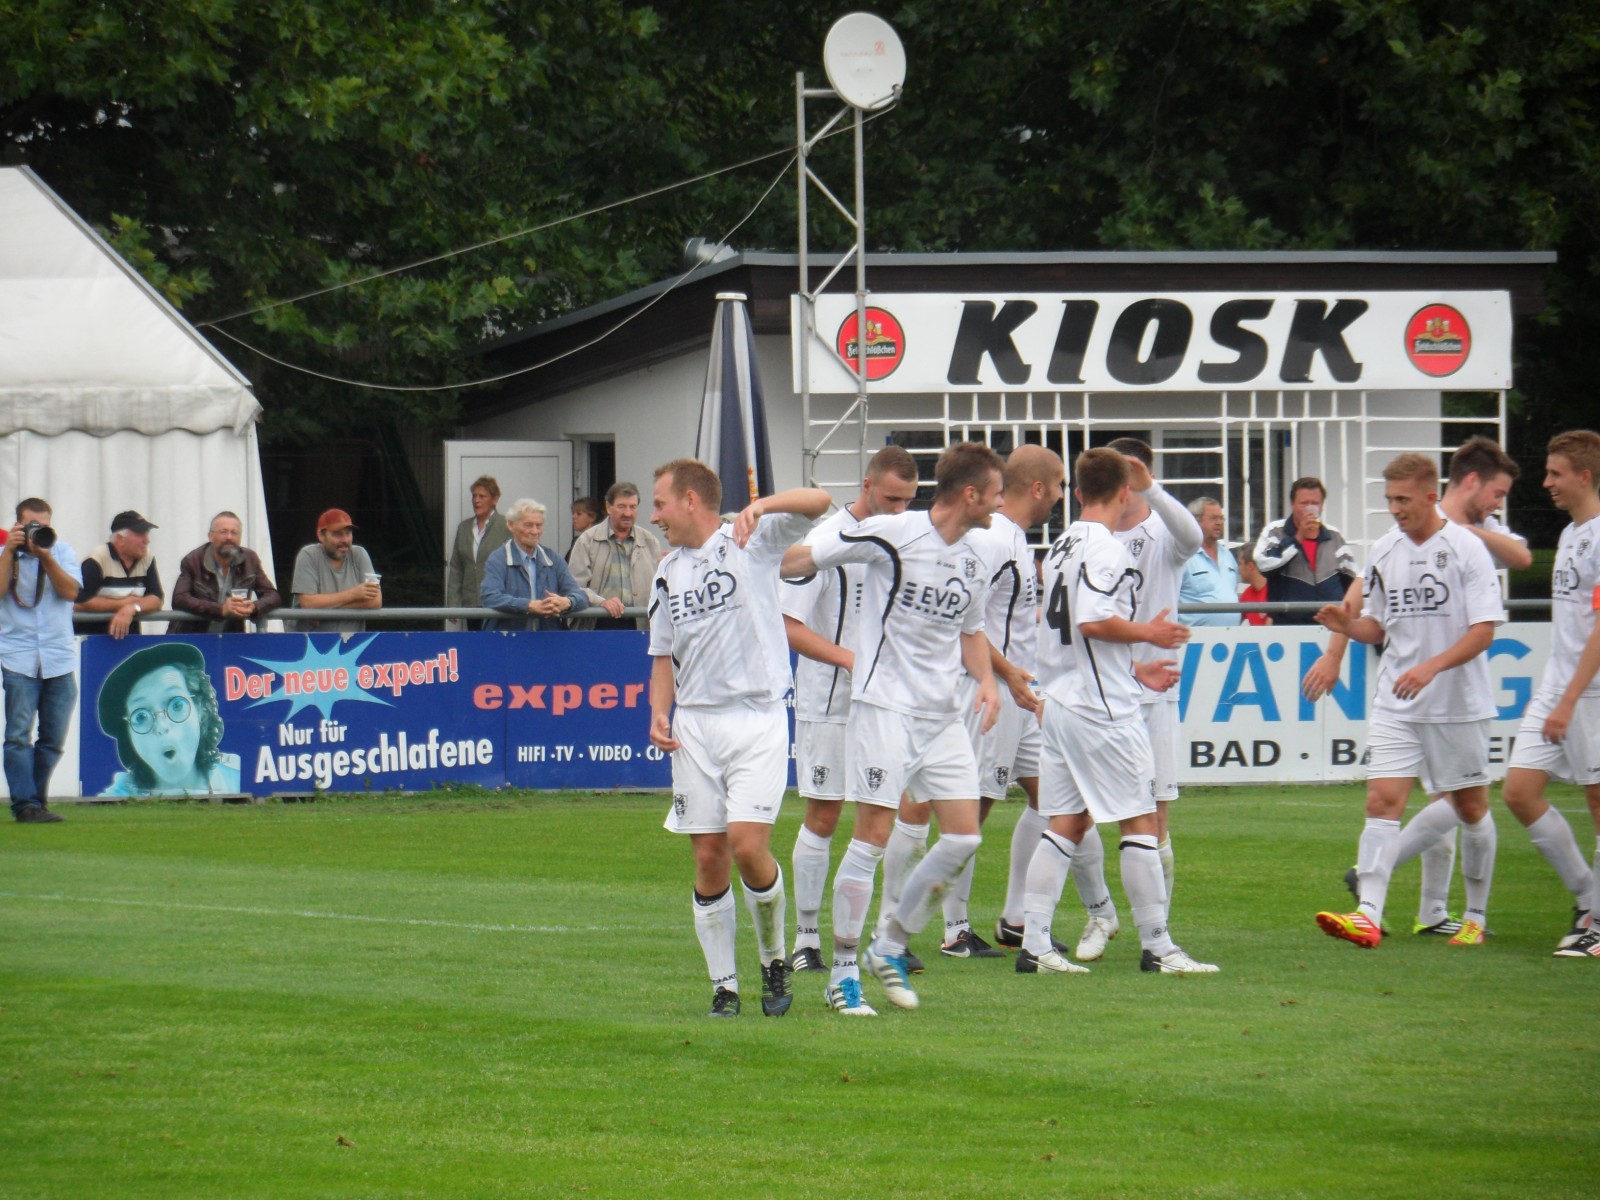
point(28, 766)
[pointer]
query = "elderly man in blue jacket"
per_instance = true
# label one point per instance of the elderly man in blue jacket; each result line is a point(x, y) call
point(527, 581)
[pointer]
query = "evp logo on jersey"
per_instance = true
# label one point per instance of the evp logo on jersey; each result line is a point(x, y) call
point(1564, 579)
point(714, 591)
point(943, 602)
point(1429, 595)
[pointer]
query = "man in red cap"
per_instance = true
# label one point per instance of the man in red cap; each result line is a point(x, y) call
point(335, 573)
point(119, 576)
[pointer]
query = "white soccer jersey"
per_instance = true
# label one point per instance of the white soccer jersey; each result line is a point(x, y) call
point(829, 604)
point(715, 611)
point(1574, 597)
point(1011, 613)
point(1088, 577)
point(1159, 555)
point(1426, 597)
point(918, 596)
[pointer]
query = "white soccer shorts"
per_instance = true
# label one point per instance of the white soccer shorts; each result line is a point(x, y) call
point(1104, 769)
point(1009, 751)
point(891, 752)
point(1576, 758)
point(1161, 721)
point(1448, 757)
point(819, 754)
point(731, 765)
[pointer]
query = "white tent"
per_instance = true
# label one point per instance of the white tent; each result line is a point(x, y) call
point(109, 399)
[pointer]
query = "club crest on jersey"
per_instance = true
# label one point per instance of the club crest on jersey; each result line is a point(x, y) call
point(714, 591)
point(969, 567)
point(875, 777)
point(819, 776)
point(1583, 546)
point(1429, 594)
point(1440, 559)
point(1136, 547)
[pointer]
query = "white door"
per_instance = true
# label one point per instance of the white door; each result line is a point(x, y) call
point(539, 471)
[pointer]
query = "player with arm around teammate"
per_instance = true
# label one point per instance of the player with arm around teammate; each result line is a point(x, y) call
point(820, 615)
point(719, 674)
point(1096, 763)
point(1432, 595)
point(921, 622)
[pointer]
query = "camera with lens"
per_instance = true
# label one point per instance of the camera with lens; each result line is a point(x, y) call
point(39, 536)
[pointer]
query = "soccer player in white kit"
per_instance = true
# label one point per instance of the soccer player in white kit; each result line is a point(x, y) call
point(1560, 733)
point(1432, 593)
point(718, 678)
point(1481, 474)
point(921, 622)
point(820, 614)
point(1161, 535)
point(1096, 763)
point(1009, 752)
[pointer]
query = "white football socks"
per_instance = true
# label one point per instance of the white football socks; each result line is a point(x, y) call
point(937, 870)
point(907, 845)
point(1168, 868)
point(852, 897)
point(1478, 843)
point(955, 902)
point(1552, 837)
point(1147, 892)
point(767, 911)
point(1047, 877)
point(810, 864)
point(1374, 865)
point(1089, 875)
point(714, 925)
point(1024, 841)
point(1432, 835)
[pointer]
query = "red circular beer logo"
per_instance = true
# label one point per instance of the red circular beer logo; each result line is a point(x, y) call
point(886, 343)
point(1438, 340)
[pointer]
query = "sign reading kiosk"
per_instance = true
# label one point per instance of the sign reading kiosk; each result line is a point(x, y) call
point(296, 713)
point(1176, 342)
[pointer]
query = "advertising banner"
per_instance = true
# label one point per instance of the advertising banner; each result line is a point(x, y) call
point(276, 714)
point(928, 343)
point(295, 713)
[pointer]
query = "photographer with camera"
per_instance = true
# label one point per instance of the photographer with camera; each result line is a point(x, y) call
point(39, 580)
point(119, 576)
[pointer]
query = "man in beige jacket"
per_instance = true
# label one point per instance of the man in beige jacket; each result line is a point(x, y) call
point(614, 561)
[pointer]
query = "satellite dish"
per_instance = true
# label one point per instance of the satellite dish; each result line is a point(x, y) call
point(864, 60)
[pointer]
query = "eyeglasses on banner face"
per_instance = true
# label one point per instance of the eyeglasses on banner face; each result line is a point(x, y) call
point(176, 710)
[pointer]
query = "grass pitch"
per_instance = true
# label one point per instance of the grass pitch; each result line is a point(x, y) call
point(503, 996)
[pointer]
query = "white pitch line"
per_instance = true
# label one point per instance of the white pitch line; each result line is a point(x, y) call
point(310, 914)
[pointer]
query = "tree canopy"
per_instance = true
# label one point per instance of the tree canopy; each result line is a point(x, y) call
point(245, 153)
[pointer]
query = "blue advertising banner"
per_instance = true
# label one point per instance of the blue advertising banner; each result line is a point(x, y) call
point(294, 713)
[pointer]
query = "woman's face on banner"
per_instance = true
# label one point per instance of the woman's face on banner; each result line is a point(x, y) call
point(164, 726)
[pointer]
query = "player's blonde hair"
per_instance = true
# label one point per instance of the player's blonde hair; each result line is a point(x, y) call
point(1581, 448)
point(692, 475)
point(1418, 467)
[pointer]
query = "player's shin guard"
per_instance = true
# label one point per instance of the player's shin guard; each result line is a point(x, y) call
point(810, 866)
point(714, 925)
point(936, 872)
point(1169, 868)
point(767, 910)
point(1478, 845)
point(1024, 841)
point(852, 898)
point(1047, 876)
point(1552, 837)
point(1375, 864)
point(1147, 892)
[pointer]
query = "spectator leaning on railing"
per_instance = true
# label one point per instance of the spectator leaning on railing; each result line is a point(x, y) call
point(615, 560)
point(1211, 576)
point(334, 572)
point(223, 582)
point(528, 582)
point(119, 576)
